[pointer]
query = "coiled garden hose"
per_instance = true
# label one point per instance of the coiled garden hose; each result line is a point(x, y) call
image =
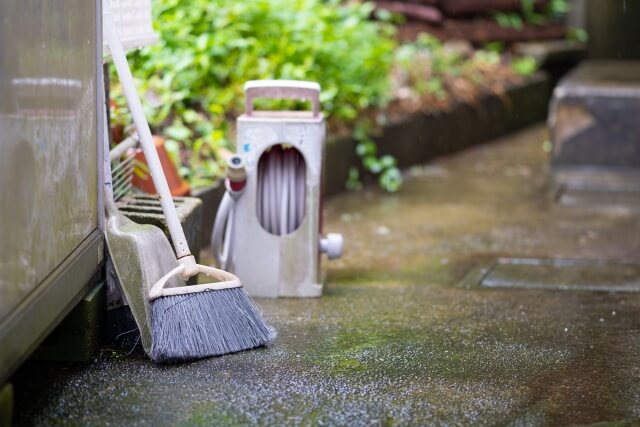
point(280, 204)
point(281, 190)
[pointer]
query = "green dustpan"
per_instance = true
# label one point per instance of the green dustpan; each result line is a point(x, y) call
point(140, 253)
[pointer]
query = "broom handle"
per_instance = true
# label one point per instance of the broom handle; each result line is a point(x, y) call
point(144, 133)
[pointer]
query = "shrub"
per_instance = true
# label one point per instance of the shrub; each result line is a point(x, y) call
point(193, 78)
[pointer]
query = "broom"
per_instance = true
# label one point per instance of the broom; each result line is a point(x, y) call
point(187, 322)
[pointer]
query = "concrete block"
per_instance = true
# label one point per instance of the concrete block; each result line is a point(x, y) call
point(6, 404)
point(79, 335)
point(594, 116)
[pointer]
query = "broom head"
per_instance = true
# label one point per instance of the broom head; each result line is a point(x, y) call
point(192, 322)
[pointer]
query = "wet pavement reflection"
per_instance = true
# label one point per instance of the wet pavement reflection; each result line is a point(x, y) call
point(396, 339)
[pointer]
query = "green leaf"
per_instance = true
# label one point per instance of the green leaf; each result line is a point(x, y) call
point(372, 164)
point(516, 21)
point(497, 47)
point(367, 148)
point(388, 161)
point(502, 19)
point(525, 65)
point(178, 132)
point(190, 116)
point(391, 180)
point(527, 7)
point(577, 34)
point(353, 181)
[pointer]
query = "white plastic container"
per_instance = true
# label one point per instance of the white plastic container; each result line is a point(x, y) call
point(274, 239)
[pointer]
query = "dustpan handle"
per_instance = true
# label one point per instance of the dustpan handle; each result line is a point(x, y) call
point(135, 106)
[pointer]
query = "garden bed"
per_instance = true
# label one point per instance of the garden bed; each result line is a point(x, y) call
point(419, 137)
point(482, 21)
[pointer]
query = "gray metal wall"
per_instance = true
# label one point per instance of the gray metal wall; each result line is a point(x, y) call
point(50, 242)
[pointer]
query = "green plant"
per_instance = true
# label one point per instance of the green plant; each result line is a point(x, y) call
point(486, 57)
point(384, 167)
point(425, 64)
point(577, 34)
point(556, 9)
point(353, 180)
point(524, 65)
point(509, 20)
point(553, 11)
point(193, 78)
point(497, 47)
point(530, 14)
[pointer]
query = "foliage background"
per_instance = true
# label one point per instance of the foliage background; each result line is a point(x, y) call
point(192, 79)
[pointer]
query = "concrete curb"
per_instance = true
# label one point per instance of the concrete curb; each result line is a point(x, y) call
point(423, 136)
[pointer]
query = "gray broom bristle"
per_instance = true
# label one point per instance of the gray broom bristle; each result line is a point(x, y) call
point(203, 324)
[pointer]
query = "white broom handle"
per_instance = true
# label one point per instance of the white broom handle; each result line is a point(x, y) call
point(144, 133)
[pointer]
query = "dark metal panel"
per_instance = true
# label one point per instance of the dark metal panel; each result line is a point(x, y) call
point(50, 180)
point(43, 309)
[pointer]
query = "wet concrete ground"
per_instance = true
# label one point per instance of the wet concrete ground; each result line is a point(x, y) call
point(397, 339)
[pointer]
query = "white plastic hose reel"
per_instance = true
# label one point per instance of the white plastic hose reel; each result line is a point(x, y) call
point(267, 230)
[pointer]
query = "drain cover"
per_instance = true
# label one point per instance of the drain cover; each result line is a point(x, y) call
point(562, 274)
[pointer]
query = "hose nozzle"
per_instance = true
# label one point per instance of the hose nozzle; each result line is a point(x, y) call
point(236, 175)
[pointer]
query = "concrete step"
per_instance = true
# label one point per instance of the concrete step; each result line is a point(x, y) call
point(595, 116)
point(598, 188)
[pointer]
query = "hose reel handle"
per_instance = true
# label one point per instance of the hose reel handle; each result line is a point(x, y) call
point(282, 89)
